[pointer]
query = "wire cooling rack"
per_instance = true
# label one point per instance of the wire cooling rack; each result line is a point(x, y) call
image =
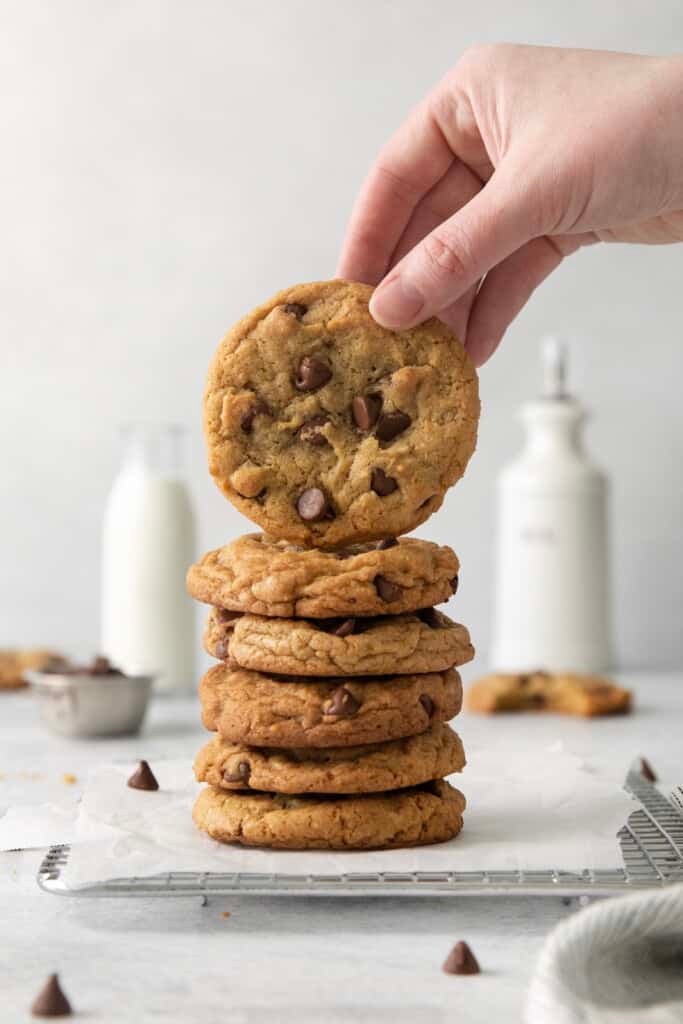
point(651, 845)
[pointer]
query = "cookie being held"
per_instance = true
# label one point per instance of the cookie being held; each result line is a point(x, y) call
point(325, 428)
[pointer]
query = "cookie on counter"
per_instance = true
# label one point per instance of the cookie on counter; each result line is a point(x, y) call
point(431, 813)
point(363, 769)
point(423, 641)
point(14, 663)
point(283, 711)
point(325, 428)
point(258, 574)
point(563, 692)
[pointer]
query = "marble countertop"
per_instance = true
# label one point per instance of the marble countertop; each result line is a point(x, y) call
point(251, 959)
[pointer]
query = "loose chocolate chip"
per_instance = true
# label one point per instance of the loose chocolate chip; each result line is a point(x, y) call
point(296, 309)
point(312, 374)
point(454, 584)
point(381, 483)
point(259, 408)
point(241, 773)
point(342, 704)
point(365, 409)
point(461, 960)
point(221, 650)
point(431, 618)
point(311, 430)
point(51, 1001)
point(143, 778)
point(427, 703)
point(387, 590)
point(391, 424)
point(388, 542)
point(312, 505)
point(647, 771)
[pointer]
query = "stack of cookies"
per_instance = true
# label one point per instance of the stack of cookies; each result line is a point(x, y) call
point(336, 675)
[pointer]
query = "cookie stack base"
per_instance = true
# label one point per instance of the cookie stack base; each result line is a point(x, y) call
point(431, 813)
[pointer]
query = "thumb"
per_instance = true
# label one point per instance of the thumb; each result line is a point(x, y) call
point(456, 254)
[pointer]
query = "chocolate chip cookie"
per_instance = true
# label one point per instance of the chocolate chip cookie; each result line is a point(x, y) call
point(431, 813)
point(273, 578)
point(425, 641)
point(281, 711)
point(563, 692)
point(364, 769)
point(325, 428)
point(15, 663)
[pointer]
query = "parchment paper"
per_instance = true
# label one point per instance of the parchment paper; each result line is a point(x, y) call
point(528, 809)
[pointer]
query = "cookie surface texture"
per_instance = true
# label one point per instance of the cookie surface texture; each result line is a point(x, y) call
point(410, 817)
point(325, 428)
point(279, 711)
point(364, 769)
point(255, 573)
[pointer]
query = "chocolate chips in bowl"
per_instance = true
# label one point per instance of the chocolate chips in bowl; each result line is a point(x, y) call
point(91, 700)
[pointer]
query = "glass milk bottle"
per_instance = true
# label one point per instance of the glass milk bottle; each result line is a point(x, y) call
point(551, 607)
point(147, 546)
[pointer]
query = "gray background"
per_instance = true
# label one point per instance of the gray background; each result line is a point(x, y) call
point(167, 165)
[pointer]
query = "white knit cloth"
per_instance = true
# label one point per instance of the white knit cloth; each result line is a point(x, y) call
point(619, 961)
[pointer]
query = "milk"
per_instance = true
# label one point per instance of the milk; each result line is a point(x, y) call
point(147, 546)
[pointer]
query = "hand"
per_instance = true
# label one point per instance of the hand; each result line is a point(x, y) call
point(520, 156)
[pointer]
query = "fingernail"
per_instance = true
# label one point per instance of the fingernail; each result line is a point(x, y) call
point(396, 302)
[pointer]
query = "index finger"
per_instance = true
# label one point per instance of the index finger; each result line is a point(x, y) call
point(410, 164)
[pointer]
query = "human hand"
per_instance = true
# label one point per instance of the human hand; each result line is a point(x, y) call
point(520, 156)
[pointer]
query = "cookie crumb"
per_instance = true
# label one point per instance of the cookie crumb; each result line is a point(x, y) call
point(68, 779)
point(226, 913)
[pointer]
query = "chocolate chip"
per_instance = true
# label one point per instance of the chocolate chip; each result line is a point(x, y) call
point(391, 424)
point(312, 505)
point(241, 773)
point(296, 309)
point(51, 1001)
point(647, 771)
point(337, 627)
point(381, 483)
point(342, 704)
point(143, 778)
point(365, 409)
point(312, 374)
point(345, 628)
point(259, 408)
point(221, 650)
point(388, 542)
point(387, 590)
point(100, 666)
point(431, 618)
point(225, 615)
point(427, 703)
point(454, 584)
point(311, 431)
point(461, 960)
